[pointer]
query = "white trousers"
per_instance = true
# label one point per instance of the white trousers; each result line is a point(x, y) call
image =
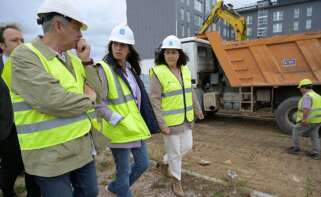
point(176, 146)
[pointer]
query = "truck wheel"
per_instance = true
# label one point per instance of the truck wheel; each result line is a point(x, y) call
point(286, 114)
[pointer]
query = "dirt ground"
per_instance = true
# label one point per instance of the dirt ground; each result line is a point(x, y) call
point(255, 150)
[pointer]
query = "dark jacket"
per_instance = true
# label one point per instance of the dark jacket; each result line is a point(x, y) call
point(1, 63)
point(6, 113)
point(146, 108)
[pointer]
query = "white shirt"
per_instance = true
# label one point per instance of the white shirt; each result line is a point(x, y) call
point(4, 58)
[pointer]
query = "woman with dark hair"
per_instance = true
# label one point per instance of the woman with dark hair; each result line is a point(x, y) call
point(127, 115)
point(174, 104)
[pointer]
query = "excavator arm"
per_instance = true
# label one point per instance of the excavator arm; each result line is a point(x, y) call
point(220, 10)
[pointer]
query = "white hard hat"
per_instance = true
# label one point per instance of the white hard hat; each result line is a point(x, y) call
point(66, 8)
point(171, 42)
point(122, 33)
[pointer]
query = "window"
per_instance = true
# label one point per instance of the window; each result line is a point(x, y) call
point(188, 31)
point(296, 12)
point(183, 31)
point(262, 4)
point(202, 52)
point(278, 16)
point(277, 28)
point(213, 27)
point(296, 26)
point(249, 32)
point(197, 21)
point(308, 24)
point(261, 32)
point(188, 16)
point(198, 5)
point(182, 1)
point(182, 14)
point(208, 6)
point(187, 2)
point(249, 20)
point(224, 32)
point(309, 11)
point(262, 21)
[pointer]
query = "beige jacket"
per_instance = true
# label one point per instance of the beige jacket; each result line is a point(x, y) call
point(156, 96)
point(45, 94)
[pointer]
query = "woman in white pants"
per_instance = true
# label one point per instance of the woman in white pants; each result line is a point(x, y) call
point(174, 103)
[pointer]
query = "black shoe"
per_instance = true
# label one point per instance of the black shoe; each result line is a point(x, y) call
point(313, 155)
point(293, 150)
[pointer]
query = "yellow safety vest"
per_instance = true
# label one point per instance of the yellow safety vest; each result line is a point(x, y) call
point(6, 72)
point(38, 130)
point(120, 100)
point(315, 113)
point(176, 102)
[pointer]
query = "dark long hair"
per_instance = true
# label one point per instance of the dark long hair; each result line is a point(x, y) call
point(133, 57)
point(160, 59)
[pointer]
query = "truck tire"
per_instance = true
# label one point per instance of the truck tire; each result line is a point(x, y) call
point(286, 114)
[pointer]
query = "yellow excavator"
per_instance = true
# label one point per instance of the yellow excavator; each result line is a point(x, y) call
point(220, 10)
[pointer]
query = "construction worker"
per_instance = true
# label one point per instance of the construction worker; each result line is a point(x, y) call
point(127, 114)
point(53, 106)
point(308, 119)
point(174, 104)
point(10, 157)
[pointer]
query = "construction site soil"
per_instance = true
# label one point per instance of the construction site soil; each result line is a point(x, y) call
point(253, 150)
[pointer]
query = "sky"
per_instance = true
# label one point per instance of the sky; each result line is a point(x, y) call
point(101, 16)
point(240, 3)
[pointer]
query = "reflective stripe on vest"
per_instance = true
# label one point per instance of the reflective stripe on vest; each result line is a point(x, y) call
point(176, 102)
point(177, 92)
point(177, 111)
point(120, 100)
point(47, 124)
point(315, 112)
point(37, 130)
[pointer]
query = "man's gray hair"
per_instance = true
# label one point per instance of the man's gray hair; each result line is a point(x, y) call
point(47, 25)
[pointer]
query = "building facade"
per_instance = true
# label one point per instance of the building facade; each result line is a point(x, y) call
point(182, 18)
point(268, 18)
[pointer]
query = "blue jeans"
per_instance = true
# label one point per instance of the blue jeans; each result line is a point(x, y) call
point(81, 182)
point(127, 174)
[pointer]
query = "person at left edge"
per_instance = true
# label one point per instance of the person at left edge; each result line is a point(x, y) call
point(53, 106)
point(11, 164)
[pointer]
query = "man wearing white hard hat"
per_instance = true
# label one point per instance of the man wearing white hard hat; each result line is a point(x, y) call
point(127, 115)
point(53, 107)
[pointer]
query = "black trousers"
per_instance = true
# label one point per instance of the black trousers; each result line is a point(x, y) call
point(11, 166)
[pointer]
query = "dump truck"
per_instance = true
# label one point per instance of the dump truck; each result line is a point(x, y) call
point(254, 78)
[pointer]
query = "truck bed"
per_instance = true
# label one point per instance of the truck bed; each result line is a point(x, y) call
point(275, 61)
